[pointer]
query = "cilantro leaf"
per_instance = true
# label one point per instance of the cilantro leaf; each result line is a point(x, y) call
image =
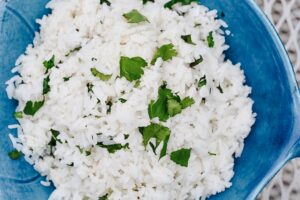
point(181, 156)
point(156, 131)
point(145, 1)
point(163, 151)
point(169, 4)
point(167, 105)
point(202, 81)
point(187, 102)
point(67, 78)
point(174, 107)
point(122, 100)
point(137, 84)
point(32, 107)
point(166, 52)
point(100, 75)
point(196, 62)
point(212, 154)
point(109, 104)
point(210, 40)
point(18, 115)
point(220, 88)
point(105, 197)
point(54, 138)
point(112, 148)
point(73, 50)
point(188, 39)
point(15, 154)
point(132, 68)
point(105, 1)
point(48, 64)
point(46, 87)
point(135, 16)
point(90, 87)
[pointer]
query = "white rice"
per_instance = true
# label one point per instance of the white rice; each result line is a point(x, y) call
point(219, 125)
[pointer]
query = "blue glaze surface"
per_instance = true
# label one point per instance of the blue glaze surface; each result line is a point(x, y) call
point(274, 138)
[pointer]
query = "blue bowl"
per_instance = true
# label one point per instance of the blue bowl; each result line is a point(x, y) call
point(274, 138)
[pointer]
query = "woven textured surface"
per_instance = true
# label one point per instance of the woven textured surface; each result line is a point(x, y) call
point(285, 15)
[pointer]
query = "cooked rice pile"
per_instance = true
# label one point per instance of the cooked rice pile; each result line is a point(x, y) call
point(125, 100)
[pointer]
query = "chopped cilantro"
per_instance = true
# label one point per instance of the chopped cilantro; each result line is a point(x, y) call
point(220, 88)
point(87, 153)
point(196, 62)
point(203, 100)
point(145, 1)
point(153, 147)
point(202, 81)
point(18, 115)
point(174, 107)
point(166, 52)
point(210, 40)
point(135, 16)
point(105, 1)
point(100, 75)
point(169, 4)
point(187, 39)
point(32, 107)
point(46, 86)
point(73, 50)
point(90, 87)
point(122, 100)
point(112, 148)
point(158, 132)
point(212, 154)
point(132, 68)
point(54, 138)
point(137, 84)
point(126, 136)
point(15, 154)
point(105, 197)
point(187, 102)
point(181, 156)
point(67, 78)
point(167, 105)
point(48, 64)
point(109, 104)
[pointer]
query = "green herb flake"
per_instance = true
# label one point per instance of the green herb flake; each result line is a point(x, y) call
point(73, 50)
point(100, 75)
point(32, 107)
point(132, 68)
point(181, 156)
point(87, 153)
point(167, 105)
point(105, 197)
point(18, 115)
point(220, 88)
point(135, 16)
point(188, 39)
point(137, 84)
point(158, 132)
point(196, 62)
point(54, 138)
point(153, 147)
point(202, 82)
point(15, 154)
point(169, 4)
point(46, 86)
point(126, 136)
point(67, 78)
point(145, 1)
point(174, 107)
point(187, 102)
point(112, 148)
point(203, 100)
point(122, 100)
point(210, 40)
point(105, 1)
point(90, 87)
point(212, 154)
point(166, 52)
point(48, 64)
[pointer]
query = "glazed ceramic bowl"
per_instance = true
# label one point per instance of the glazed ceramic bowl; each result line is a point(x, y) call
point(274, 138)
